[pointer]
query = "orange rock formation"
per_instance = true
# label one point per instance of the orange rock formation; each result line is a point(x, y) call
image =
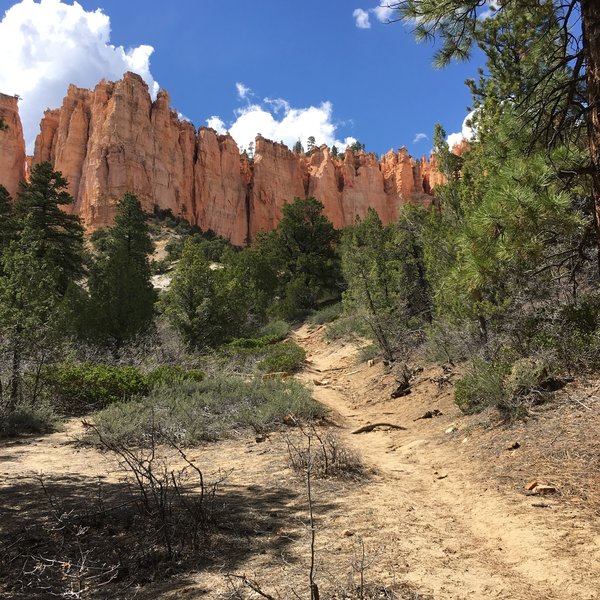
point(114, 139)
point(12, 145)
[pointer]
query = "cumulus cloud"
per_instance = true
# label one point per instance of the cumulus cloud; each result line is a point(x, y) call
point(419, 137)
point(47, 45)
point(361, 18)
point(384, 14)
point(242, 90)
point(277, 120)
point(466, 133)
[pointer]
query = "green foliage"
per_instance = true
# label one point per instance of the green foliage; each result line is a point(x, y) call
point(52, 234)
point(27, 418)
point(304, 251)
point(122, 297)
point(192, 412)
point(172, 374)
point(357, 147)
point(482, 386)
point(278, 329)
point(253, 343)
point(386, 283)
point(205, 304)
point(41, 263)
point(79, 388)
point(283, 357)
point(7, 222)
point(326, 314)
point(348, 327)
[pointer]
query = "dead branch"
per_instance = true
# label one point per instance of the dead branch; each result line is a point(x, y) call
point(372, 426)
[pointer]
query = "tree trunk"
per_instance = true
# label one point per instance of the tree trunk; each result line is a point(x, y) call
point(590, 25)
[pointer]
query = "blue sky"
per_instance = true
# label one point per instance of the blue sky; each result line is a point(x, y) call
point(377, 83)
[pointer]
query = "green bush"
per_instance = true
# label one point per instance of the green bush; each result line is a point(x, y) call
point(85, 386)
point(169, 374)
point(284, 356)
point(278, 329)
point(348, 327)
point(481, 387)
point(253, 343)
point(190, 412)
point(327, 314)
point(39, 418)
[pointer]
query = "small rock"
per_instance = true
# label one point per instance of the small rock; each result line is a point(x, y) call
point(347, 533)
point(544, 490)
point(370, 362)
point(531, 485)
point(452, 429)
point(260, 438)
point(514, 446)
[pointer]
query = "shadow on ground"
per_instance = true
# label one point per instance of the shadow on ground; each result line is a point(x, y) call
point(60, 535)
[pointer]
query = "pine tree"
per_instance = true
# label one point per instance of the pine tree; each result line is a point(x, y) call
point(206, 305)
point(122, 297)
point(7, 221)
point(56, 237)
point(305, 243)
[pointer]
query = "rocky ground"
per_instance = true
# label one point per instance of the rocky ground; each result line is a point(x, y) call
point(442, 511)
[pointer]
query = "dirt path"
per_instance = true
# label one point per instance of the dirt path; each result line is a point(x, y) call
point(455, 532)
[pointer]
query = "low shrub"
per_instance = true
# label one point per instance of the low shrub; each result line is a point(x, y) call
point(77, 388)
point(349, 327)
point(253, 343)
point(481, 386)
point(80, 387)
point(326, 314)
point(193, 411)
point(169, 374)
point(511, 386)
point(27, 418)
point(366, 353)
point(328, 456)
point(278, 329)
point(284, 356)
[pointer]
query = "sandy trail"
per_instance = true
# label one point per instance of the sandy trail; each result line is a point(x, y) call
point(459, 535)
point(433, 514)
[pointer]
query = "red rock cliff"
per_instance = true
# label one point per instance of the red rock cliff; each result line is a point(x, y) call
point(114, 139)
point(12, 145)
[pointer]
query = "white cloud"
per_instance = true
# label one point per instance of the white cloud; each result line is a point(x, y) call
point(242, 90)
point(361, 18)
point(467, 132)
point(277, 120)
point(217, 124)
point(419, 137)
point(383, 13)
point(49, 44)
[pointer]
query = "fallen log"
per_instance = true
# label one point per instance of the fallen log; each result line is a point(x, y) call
point(372, 426)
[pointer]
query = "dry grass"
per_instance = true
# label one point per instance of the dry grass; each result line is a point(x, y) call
point(559, 445)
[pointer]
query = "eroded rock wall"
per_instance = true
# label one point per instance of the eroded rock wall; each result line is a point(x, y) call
point(114, 139)
point(12, 145)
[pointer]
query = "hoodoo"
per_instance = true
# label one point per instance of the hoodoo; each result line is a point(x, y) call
point(115, 139)
point(12, 145)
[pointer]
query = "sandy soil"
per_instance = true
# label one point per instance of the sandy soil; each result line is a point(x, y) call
point(443, 509)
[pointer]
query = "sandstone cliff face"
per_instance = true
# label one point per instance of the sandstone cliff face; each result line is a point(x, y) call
point(12, 146)
point(114, 139)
